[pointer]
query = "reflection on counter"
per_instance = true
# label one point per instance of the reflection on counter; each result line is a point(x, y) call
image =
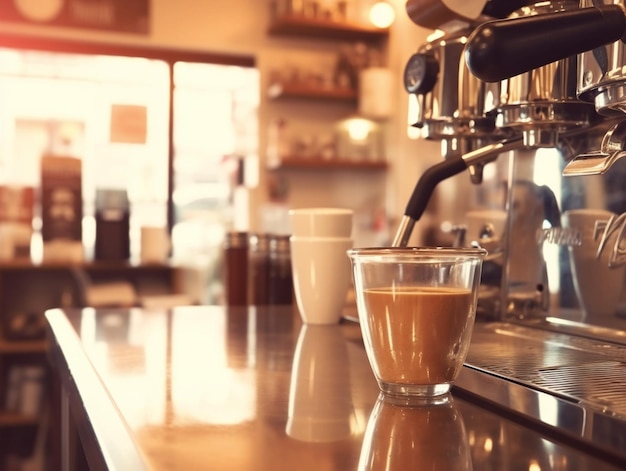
point(415, 436)
point(320, 402)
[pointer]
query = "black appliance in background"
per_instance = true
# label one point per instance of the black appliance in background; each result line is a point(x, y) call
point(112, 216)
point(439, 14)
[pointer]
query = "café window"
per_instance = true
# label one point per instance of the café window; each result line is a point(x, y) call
point(166, 128)
point(215, 131)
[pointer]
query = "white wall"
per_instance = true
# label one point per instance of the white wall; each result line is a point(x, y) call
point(239, 26)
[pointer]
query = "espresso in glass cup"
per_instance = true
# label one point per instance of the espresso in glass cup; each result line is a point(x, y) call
point(416, 309)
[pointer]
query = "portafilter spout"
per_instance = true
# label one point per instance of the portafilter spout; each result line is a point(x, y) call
point(439, 172)
point(612, 149)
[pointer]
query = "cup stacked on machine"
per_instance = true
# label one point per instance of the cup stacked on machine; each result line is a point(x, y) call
point(321, 269)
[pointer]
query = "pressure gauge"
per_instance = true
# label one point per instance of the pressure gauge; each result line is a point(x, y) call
point(420, 73)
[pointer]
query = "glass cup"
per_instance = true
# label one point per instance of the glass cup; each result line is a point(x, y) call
point(416, 309)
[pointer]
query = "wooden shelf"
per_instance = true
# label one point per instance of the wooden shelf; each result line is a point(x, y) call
point(14, 419)
point(304, 91)
point(96, 265)
point(330, 164)
point(19, 347)
point(295, 25)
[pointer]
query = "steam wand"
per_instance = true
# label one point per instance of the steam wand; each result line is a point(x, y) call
point(439, 172)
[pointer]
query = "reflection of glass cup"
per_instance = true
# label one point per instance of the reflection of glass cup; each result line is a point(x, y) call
point(427, 436)
point(416, 309)
point(320, 401)
point(598, 286)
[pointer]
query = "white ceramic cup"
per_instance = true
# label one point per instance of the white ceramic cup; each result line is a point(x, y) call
point(321, 277)
point(321, 222)
point(598, 287)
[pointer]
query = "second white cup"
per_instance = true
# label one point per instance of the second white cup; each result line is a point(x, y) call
point(321, 277)
point(598, 286)
point(321, 222)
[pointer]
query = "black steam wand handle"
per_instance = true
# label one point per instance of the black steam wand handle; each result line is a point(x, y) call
point(439, 172)
point(421, 195)
point(500, 49)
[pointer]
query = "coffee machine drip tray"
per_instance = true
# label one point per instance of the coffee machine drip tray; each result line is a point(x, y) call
point(572, 386)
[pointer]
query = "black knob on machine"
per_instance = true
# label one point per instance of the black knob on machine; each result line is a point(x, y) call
point(500, 49)
point(420, 73)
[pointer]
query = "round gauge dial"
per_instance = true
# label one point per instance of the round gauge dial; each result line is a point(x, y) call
point(420, 73)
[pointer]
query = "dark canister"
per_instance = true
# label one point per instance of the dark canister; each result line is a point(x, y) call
point(280, 276)
point(235, 268)
point(259, 269)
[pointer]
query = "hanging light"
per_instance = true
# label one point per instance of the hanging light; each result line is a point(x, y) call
point(382, 14)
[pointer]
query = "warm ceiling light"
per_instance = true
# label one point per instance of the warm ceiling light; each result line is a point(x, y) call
point(382, 14)
point(358, 128)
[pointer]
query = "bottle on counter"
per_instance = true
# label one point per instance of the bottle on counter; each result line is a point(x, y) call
point(280, 276)
point(235, 268)
point(259, 269)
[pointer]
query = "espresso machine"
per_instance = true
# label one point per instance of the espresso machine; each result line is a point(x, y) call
point(548, 80)
point(545, 94)
point(512, 119)
point(591, 34)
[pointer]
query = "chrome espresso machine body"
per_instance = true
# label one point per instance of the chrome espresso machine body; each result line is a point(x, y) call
point(546, 98)
point(517, 118)
point(589, 131)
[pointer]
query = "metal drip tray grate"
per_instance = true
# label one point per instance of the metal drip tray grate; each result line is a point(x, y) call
point(584, 370)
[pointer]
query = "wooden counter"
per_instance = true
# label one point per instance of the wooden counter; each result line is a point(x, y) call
point(211, 388)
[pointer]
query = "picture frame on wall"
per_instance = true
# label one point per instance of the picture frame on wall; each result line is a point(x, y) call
point(111, 15)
